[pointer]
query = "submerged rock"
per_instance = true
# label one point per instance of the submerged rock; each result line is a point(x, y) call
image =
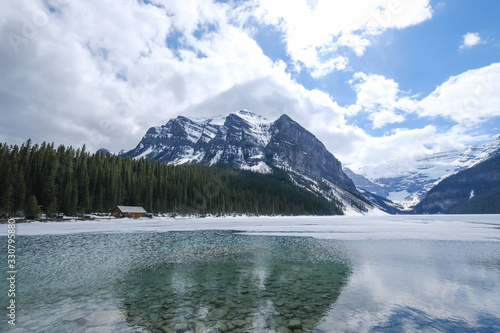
point(181, 327)
point(294, 324)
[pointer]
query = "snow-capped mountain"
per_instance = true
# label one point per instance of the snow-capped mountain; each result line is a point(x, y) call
point(408, 180)
point(236, 140)
point(244, 140)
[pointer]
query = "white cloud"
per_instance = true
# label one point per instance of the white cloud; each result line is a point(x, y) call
point(381, 98)
point(468, 99)
point(357, 43)
point(324, 68)
point(471, 39)
point(313, 33)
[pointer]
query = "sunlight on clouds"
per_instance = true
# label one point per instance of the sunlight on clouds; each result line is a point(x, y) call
point(380, 97)
point(310, 30)
point(324, 68)
point(468, 99)
point(384, 117)
point(357, 43)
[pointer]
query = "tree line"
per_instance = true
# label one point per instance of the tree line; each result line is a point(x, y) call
point(36, 178)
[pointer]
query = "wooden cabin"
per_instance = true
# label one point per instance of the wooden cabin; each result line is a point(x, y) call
point(128, 211)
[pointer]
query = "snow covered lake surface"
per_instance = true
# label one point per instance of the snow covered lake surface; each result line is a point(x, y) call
point(258, 274)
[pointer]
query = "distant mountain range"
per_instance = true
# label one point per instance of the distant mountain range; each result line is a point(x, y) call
point(244, 140)
point(407, 181)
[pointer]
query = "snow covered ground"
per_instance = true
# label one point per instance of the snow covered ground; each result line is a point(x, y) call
point(425, 227)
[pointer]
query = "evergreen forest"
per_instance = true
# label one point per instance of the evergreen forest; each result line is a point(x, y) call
point(35, 178)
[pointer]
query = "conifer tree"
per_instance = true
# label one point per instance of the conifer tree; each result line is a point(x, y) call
point(32, 208)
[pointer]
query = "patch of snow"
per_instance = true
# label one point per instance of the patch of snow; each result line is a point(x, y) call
point(409, 202)
point(216, 158)
point(260, 167)
point(217, 120)
point(471, 194)
point(190, 156)
point(259, 125)
point(193, 131)
point(144, 153)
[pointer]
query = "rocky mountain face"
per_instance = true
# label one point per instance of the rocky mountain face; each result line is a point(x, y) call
point(294, 147)
point(475, 190)
point(407, 181)
point(244, 140)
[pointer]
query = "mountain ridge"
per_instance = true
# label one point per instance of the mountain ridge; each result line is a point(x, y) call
point(245, 140)
point(406, 181)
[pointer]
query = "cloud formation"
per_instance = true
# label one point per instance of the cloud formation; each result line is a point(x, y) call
point(380, 97)
point(471, 39)
point(468, 99)
point(315, 32)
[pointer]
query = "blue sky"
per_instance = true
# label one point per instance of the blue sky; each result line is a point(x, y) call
point(375, 80)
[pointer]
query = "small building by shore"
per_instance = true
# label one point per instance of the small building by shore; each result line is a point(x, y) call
point(129, 211)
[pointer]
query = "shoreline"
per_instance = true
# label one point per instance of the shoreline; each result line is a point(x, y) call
point(391, 227)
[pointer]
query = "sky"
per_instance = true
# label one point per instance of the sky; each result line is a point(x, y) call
point(374, 80)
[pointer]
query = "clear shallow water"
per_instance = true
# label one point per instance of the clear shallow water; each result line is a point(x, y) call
point(210, 281)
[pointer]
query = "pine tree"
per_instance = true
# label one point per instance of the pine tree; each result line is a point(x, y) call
point(32, 208)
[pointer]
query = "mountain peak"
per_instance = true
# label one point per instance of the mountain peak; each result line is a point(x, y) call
point(251, 117)
point(244, 112)
point(285, 117)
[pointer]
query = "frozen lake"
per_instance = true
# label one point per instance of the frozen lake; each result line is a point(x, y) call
point(435, 227)
point(247, 274)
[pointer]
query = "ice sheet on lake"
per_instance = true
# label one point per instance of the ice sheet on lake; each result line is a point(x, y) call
point(431, 227)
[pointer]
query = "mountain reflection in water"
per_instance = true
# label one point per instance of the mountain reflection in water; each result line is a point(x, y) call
point(273, 284)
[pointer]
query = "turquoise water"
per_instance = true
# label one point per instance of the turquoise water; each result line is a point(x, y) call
point(218, 281)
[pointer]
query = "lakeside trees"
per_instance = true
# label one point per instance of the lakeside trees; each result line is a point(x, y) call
point(73, 181)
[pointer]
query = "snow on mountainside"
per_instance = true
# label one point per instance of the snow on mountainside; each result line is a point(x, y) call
point(407, 180)
point(474, 155)
point(210, 141)
point(244, 140)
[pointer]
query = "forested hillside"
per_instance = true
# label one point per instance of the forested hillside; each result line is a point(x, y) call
point(73, 181)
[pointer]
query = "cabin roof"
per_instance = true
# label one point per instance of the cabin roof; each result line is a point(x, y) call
point(131, 209)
